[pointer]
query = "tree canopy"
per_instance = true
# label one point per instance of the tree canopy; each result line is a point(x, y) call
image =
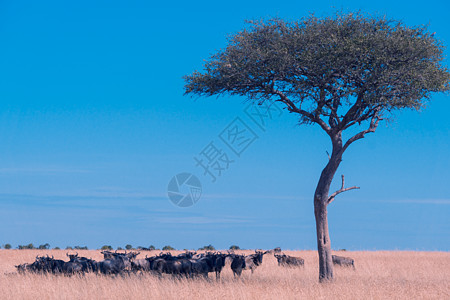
point(335, 71)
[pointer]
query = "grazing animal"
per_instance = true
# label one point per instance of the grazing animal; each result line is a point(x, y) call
point(252, 261)
point(289, 261)
point(72, 267)
point(140, 264)
point(55, 265)
point(343, 261)
point(107, 254)
point(173, 266)
point(198, 255)
point(119, 262)
point(23, 268)
point(43, 264)
point(87, 264)
point(202, 266)
point(237, 264)
point(187, 255)
point(219, 263)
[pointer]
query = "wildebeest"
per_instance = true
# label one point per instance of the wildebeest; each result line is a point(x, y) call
point(198, 255)
point(87, 264)
point(142, 264)
point(43, 264)
point(202, 266)
point(172, 265)
point(219, 263)
point(56, 266)
point(289, 261)
point(252, 261)
point(187, 264)
point(116, 262)
point(72, 267)
point(112, 265)
point(343, 261)
point(237, 264)
point(107, 254)
point(277, 250)
point(187, 254)
point(23, 268)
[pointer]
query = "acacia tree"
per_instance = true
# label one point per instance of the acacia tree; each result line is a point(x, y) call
point(347, 70)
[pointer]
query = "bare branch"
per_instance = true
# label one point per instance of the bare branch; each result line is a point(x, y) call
point(333, 196)
point(353, 112)
point(333, 115)
point(372, 127)
point(293, 108)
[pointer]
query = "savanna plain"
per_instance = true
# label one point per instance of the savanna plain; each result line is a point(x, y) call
point(378, 275)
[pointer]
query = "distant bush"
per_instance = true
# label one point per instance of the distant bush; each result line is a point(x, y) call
point(106, 247)
point(45, 246)
point(81, 248)
point(69, 248)
point(119, 248)
point(128, 247)
point(209, 247)
point(167, 248)
point(234, 247)
point(56, 248)
point(7, 246)
point(22, 247)
point(152, 247)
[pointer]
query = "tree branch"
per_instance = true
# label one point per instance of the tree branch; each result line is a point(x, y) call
point(354, 110)
point(372, 127)
point(334, 119)
point(293, 108)
point(333, 196)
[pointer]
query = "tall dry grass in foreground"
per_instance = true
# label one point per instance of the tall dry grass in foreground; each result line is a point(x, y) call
point(378, 275)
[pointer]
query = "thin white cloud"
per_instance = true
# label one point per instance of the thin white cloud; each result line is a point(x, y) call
point(201, 220)
point(421, 201)
point(41, 170)
point(251, 196)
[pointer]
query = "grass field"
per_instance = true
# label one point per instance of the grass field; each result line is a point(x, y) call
point(378, 275)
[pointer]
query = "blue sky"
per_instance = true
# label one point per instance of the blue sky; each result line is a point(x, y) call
point(94, 124)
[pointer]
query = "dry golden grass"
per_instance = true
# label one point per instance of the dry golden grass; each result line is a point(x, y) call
point(378, 275)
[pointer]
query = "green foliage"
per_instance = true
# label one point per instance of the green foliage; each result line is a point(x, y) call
point(234, 247)
point(128, 247)
point(45, 246)
point(56, 248)
point(106, 247)
point(29, 246)
point(167, 248)
point(69, 248)
point(335, 71)
point(80, 248)
point(209, 247)
point(152, 247)
point(7, 246)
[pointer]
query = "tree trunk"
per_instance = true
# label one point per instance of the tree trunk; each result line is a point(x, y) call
point(320, 211)
point(323, 243)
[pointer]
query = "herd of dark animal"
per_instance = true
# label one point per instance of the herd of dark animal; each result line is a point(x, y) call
point(188, 264)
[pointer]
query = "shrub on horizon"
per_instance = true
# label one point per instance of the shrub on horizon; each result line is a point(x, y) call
point(168, 248)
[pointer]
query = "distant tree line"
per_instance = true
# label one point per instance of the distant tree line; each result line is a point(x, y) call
point(46, 246)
